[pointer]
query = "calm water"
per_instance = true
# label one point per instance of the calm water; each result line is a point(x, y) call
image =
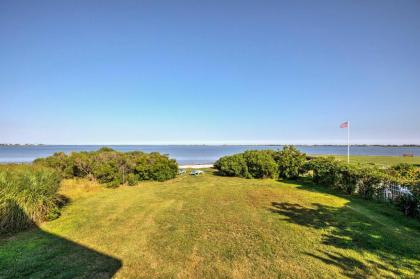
point(196, 154)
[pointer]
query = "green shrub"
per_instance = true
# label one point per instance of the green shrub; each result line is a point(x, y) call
point(371, 181)
point(161, 168)
point(408, 176)
point(288, 163)
point(325, 171)
point(234, 165)
point(111, 167)
point(107, 166)
point(291, 162)
point(250, 164)
point(350, 179)
point(28, 195)
point(60, 162)
point(346, 178)
point(132, 179)
point(413, 185)
point(113, 183)
point(83, 163)
point(260, 164)
point(106, 171)
point(405, 171)
point(106, 149)
point(409, 205)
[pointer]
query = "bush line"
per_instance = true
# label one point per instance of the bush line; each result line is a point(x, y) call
point(368, 182)
point(28, 193)
point(111, 167)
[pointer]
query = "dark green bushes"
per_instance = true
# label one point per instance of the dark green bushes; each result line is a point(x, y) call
point(291, 162)
point(152, 166)
point(405, 171)
point(260, 164)
point(234, 165)
point(335, 174)
point(324, 170)
point(350, 179)
point(60, 162)
point(368, 182)
point(371, 182)
point(28, 195)
point(288, 163)
point(113, 168)
point(160, 168)
point(408, 176)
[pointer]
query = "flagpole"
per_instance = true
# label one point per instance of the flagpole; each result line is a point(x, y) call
point(348, 142)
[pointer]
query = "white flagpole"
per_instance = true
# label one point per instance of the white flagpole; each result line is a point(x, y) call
point(348, 142)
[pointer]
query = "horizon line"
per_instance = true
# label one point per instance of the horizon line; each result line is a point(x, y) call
point(210, 144)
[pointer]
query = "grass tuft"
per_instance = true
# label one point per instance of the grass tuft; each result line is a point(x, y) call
point(27, 196)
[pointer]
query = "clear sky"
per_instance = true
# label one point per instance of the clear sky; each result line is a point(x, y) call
point(133, 72)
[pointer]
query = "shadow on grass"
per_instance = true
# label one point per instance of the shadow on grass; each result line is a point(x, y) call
point(39, 254)
point(217, 172)
point(345, 228)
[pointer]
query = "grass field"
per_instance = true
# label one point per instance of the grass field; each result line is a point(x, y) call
point(213, 227)
point(381, 160)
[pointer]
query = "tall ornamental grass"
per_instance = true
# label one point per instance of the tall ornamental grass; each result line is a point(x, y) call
point(27, 196)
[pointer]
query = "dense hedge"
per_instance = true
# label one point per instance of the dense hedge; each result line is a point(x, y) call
point(288, 163)
point(291, 162)
point(369, 182)
point(350, 179)
point(28, 195)
point(234, 165)
point(408, 176)
point(112, 167)
point(260, 163)
point(250, 164)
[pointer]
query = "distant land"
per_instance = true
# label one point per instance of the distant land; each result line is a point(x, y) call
point(41, 144)
point(19, 144)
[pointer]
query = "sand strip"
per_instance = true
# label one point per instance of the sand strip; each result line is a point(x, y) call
point(204, 166)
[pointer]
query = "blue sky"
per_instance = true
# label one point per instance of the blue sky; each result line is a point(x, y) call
point(133, 72)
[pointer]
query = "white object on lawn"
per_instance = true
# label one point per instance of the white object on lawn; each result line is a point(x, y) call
point(196, 172)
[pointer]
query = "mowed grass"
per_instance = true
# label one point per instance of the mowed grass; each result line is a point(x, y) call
point(380, 160)
point(215, 227)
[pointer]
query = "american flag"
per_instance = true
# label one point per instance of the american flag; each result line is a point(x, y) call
point(344, 124)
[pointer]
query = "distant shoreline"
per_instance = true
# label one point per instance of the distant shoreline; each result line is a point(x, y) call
point(309, 145)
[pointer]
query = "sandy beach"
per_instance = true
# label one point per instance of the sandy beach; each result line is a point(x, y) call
point(204, 166)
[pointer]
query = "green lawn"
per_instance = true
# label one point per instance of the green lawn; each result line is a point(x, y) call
point(381, 160)
point(213, 227)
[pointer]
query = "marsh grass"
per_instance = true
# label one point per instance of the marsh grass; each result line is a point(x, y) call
point(28, 195)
